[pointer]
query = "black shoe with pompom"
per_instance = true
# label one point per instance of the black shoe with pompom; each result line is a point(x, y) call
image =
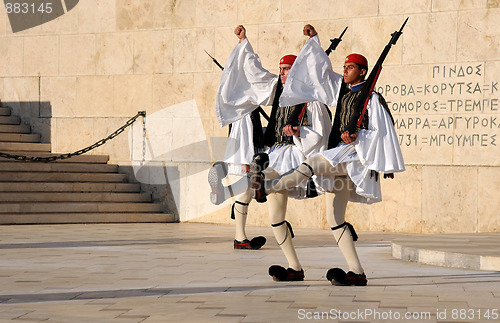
point(281, 274)
point(338, 277)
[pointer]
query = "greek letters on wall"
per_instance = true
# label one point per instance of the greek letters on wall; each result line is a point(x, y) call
point(453, 118)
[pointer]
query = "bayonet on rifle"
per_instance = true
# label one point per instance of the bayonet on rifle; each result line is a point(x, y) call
point(334, 43)
point(395, 35)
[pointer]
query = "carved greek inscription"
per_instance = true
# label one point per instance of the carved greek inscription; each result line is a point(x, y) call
point(456, 107)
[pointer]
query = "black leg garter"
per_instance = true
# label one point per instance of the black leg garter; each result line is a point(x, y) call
point(233, 208)
point(310, 168)
point(289, 228)
point(346, 225)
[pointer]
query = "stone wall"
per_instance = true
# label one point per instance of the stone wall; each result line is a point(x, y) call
point(79, 77)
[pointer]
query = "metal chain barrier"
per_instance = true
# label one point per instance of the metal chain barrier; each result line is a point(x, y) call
point(79, 152)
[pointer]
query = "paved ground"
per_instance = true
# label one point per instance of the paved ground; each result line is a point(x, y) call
point(190, 273)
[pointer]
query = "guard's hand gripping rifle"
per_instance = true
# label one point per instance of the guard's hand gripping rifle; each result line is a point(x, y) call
point(361, 102)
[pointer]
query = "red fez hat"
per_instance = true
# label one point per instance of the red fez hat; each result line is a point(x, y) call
point(358, 59)
point(288, 59)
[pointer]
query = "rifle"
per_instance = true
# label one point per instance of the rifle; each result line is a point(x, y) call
point(334, 43)
point(361, 102)
point(334, 137)
point(215, 61)
point(261, 111)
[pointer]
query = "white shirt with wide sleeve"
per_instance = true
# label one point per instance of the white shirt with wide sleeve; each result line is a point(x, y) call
point(311, 77)
point(244, 85)
point(376, 149)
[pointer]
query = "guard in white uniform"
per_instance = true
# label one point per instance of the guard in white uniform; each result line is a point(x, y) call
point(242, 143)
point(354, 163)
point(294, 133)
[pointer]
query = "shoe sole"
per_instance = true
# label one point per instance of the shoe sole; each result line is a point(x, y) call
point(359, 283)
point(254, 244)
point(288, 280)
point(215, 176)
point(245, 246)
point(340, 284)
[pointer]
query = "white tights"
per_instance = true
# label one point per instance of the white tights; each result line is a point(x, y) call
point(336, 204)
point(277, 203)
point(240, 214)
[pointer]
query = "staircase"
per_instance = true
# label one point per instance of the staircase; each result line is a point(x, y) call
point(81, 189)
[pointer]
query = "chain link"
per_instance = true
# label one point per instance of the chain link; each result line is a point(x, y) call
point(79, 152)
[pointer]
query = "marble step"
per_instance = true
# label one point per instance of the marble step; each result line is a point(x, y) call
point(5, 111)
point(62, 177)
point(10, 120)
point(20, 128)
point(6, 166)
point(78, 207)
point(85, 158)
point(58, 218)
point(68, 187)
point(74, 197)
point(19, 137)
point(8, 147)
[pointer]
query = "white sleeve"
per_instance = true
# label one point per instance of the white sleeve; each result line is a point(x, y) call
point(311, 78)
point(378, 147)
point(244, 85)
point(314, 138)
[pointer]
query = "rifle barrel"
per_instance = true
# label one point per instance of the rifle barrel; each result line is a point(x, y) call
point(404, 23)
point(341, 35)
point(215, 61)
point(396, 34)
